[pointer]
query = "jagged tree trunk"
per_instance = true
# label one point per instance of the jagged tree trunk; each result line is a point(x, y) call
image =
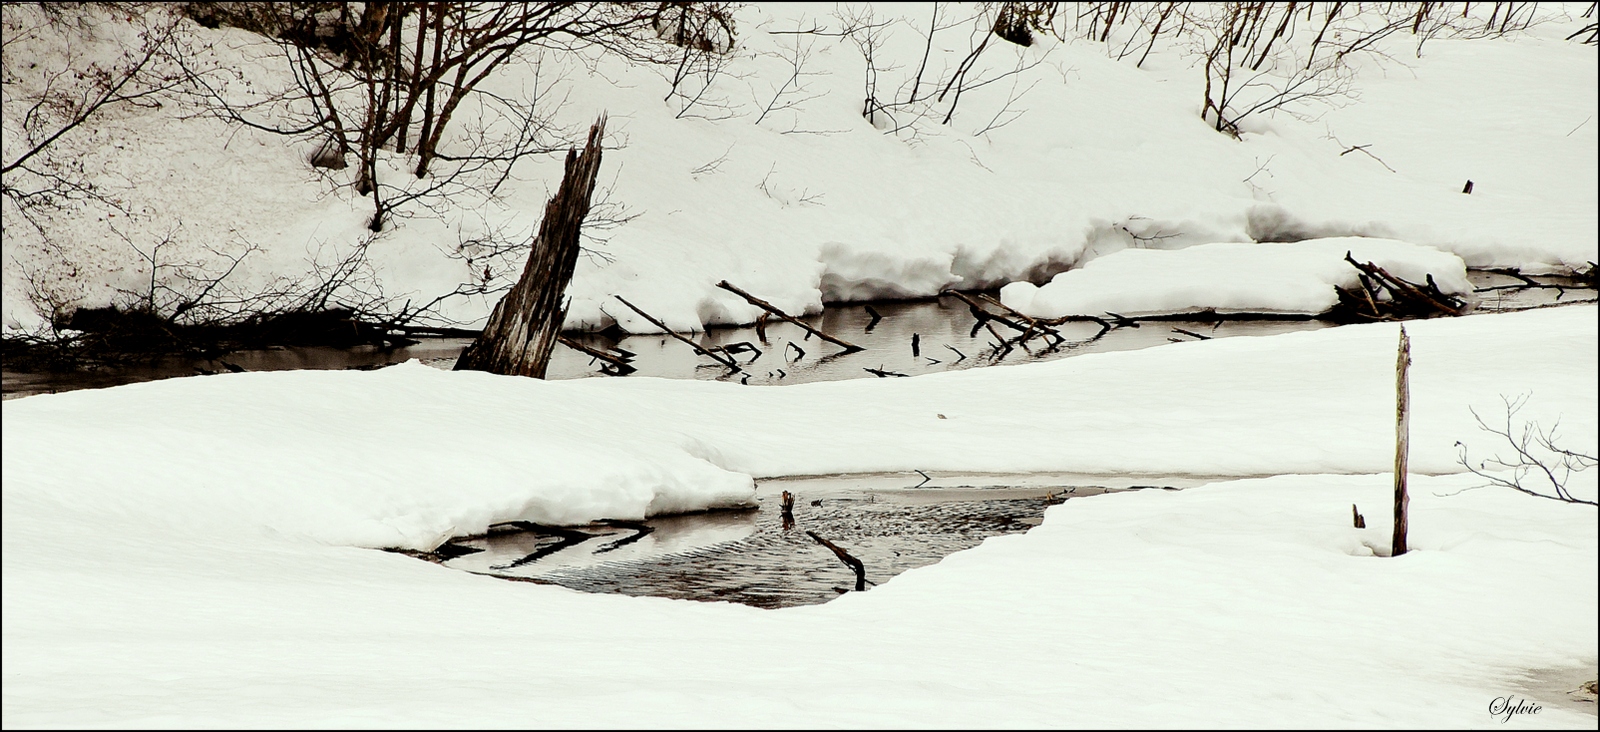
point(523, 328)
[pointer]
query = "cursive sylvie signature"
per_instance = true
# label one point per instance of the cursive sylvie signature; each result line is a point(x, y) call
point(1507, 707)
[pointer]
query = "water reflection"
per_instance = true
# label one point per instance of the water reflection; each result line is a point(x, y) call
point(911, 338)
point(887, 521)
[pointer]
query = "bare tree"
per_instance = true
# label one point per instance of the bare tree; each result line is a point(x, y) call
point(405, 72)
point(936, 88)
point(47, 105)
point(1538, 464)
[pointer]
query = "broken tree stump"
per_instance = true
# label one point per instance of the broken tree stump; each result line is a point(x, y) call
point(524, 326)
point(769, 307)
point(1360, 521)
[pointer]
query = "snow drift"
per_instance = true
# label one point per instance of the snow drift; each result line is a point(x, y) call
point(1302, 278)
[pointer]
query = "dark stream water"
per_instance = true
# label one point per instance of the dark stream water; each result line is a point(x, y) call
point(888, 522)
point(915, 337)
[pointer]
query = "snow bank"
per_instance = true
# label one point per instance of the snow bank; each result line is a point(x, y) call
point(1301, 278)
point(157, 572)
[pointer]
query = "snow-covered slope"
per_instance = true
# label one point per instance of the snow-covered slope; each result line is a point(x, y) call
point(815, 204)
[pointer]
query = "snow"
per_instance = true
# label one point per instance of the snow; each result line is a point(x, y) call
point(199, 551)
point(181, 552)
point(1302, 278)
point(814, 204)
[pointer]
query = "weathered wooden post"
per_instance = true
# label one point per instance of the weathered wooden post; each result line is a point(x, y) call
point(1402, 439)
point(525, 324)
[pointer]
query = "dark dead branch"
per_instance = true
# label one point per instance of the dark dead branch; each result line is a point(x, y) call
point(1404, 297)
point(721, 358)
point(769, 307)
point(640, 530)
point(854, 564)
point(875, 318)
point(565, 538)
point(618, 363)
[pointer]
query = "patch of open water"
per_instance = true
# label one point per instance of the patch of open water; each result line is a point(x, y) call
point(890, 522)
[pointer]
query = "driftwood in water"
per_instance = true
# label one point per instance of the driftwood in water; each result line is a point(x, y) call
point(1026, 327)
point(1582, 280)
point(786, 509)
point(1402, 298)
point(524, 326)
point(567, 538)
point(1402, 443)
point(640, 531)
point(769, 307)
point(714, 354)
point(881, 373)
point(854, 564)
point(875, 318)
point(618, 364)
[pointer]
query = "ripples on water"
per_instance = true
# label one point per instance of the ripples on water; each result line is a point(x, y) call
point(750, 557)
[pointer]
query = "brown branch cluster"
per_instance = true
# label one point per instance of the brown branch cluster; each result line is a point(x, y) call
point(1384, 296)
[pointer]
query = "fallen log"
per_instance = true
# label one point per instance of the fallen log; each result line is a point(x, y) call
point(724, 359)
point(1034, 326)
point(619, 364)
point(769, 307)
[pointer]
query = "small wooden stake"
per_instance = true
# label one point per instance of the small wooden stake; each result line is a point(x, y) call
point(1402, 439)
